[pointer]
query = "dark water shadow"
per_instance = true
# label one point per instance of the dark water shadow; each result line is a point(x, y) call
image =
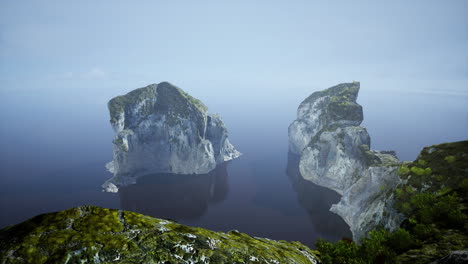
point(176, 196)
point(317, 200)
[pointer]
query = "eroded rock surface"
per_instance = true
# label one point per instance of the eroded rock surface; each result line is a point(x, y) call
point(90, 234)
point(455, 257)
point(335, 153)
point(161, 129)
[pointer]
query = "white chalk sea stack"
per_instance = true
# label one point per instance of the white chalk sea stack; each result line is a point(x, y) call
point(335, 153)
point(162, 129)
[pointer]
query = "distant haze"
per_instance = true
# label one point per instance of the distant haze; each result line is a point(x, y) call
point(253, 62)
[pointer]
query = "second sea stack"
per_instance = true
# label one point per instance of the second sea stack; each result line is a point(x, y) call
point(334, 151)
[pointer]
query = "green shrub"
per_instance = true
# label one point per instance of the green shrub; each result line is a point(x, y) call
point(443, 191)
point(423, 231)
point(403, 170)
point(418, 171)
point(464, 185)
point(400, 240)
point(409, 189)
point(341, 252)
point(422, 200)
point(376, 248)
point(448, 212)
point(427, 171)
point(450, 159)
point(439, 178)
point(422, 162)
point(398, 192)
point(406, 208)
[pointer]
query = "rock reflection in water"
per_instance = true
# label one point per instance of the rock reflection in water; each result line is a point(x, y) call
point(175, 196)
point(317, 201)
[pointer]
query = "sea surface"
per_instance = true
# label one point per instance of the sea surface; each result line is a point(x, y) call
point(53, 154)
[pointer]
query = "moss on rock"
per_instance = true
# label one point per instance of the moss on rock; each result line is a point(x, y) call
point(175, 101)
point(98, 235)
point(117, 105)
point(340, 104)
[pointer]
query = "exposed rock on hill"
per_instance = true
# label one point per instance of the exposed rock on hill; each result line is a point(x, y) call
point(160, 128)
point(89, 234)
point(455, 257)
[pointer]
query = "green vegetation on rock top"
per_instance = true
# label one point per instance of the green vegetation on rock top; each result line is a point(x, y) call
point(176, 105)
point(118, 104)
point(341, 104)
point(90, 234)
point(197, 103)
point(163, 91)
point(342, 93)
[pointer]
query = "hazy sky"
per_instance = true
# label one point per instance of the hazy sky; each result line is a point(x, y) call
point(57, 57)
point(233, 46)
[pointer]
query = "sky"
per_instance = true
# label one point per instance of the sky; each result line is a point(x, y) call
point(62, 60)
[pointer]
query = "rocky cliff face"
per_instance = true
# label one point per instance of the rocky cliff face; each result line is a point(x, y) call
point(317, 200)
point(90, 234)
point(160, 128)
point(335, 153)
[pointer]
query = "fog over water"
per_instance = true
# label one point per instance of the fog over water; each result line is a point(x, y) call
point(252, 63)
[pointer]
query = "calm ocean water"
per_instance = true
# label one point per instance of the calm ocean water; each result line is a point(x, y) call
point(52, 158)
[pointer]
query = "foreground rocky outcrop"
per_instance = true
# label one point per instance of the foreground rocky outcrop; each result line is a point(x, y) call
point(335, 153)
point(160, 128)
point(90, 234)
